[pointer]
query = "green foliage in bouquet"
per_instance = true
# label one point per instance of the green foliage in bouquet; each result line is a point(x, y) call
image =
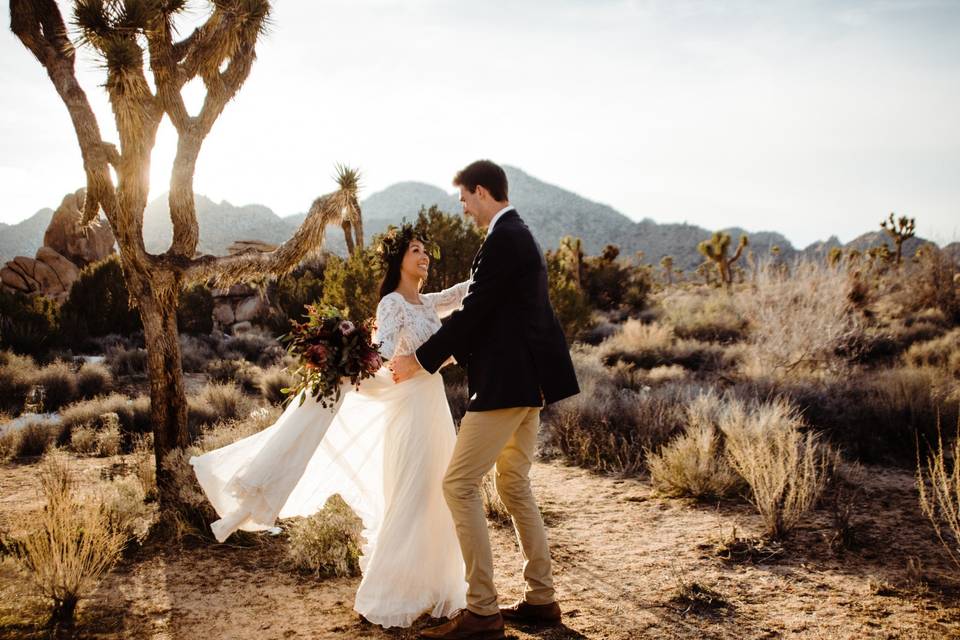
point(330, 349)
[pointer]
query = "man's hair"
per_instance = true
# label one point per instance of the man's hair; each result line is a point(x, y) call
point(483, 173)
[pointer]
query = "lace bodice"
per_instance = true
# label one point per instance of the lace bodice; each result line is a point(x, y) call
point(402, 327)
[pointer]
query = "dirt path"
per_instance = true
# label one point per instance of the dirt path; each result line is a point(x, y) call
point(620, 559)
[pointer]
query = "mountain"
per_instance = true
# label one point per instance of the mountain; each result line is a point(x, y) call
point(24, 237)
point(550, 211)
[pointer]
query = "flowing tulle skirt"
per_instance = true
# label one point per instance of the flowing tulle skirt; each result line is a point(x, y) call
point(384, 449)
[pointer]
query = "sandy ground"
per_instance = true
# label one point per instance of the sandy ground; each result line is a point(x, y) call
point(621, 557)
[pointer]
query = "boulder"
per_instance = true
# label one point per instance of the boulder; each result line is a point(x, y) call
point(251, 309)
point(66, 271)
point(81, 246)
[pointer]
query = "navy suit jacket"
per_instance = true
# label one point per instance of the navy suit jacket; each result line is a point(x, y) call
point(506, 333)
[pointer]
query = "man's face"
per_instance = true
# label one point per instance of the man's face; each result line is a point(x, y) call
point(471, 204)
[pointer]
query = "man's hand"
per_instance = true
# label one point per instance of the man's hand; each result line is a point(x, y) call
point(404, 368)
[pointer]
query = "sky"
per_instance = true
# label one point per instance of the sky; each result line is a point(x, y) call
point(812, 118)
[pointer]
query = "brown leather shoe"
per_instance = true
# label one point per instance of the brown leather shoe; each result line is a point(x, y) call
point(539, 615)
point(468, 625)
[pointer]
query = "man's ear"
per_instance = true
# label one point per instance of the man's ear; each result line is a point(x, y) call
point(482, 192)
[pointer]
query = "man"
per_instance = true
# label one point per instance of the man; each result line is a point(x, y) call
point(517, 360)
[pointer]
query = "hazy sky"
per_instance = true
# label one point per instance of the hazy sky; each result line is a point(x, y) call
point(808, 117)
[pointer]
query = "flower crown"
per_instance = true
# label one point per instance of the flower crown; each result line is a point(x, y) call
point(396, 240)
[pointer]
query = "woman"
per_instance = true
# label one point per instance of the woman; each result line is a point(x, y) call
point(383, 448)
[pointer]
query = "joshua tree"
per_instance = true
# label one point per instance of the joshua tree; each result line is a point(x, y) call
point(899, 231)
point(715, 250)
point(128, 35)
point(667, 263)
point(571, 255)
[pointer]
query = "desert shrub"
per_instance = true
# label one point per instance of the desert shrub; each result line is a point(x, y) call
point(59, 384)
point(71, 544)
point(567, 297)
point(17, 373)
point(289, 294)
point(799, 321)
point(327, 543)
point(214, 403)
point(493, 506)
point(196, 353)
point(144, 465)
point(93, 379)
point(9, 443)
point(943, 353)
point(708, 316)
point(126, 362)
point(694, 464)
point(29, 325)
point(106, 441)
point(611, 282)
point(259, 348)
point(98, 303)
point(786, 469)
point(35, 438)
point(125, 506)
point(272, 383)
point(133, 416)
point(608, 428)
point(930, 283)
point(229, 431)
point(239, 371)
point(648, 346)
point(938, 482)
point(195, 310)
point(83, 440)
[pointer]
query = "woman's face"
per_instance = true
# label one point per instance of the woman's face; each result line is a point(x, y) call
point(416, 262)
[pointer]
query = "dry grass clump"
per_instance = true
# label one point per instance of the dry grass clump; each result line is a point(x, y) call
point(273, 381)
point(93, 379)
point(30, 440)
point(124, 361)
point(144, 465)
point(133, 414)
point(215, 403)
point(942, 353)
point(693, 464)
point(493, 506)
point(707, 315)
point(938, 482)
point(103, 441)
point(799, 321)
point(125, 506)
point(648, 346)
point(254, 346)
point(16, 378)
point(608, 428)
point(71, 544)
point(239, 371)
point(787, 470)
point(328, 543)
point(59, 384)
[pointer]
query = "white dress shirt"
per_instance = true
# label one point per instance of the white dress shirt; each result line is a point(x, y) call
point(496, 217)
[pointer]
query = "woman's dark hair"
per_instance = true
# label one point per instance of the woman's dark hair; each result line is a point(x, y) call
point(391, 265)
point(483, 173)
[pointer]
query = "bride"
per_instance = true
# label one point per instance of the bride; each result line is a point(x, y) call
point(384, 448)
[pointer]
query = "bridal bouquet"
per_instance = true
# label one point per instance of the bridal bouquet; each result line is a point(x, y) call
point(329, 349)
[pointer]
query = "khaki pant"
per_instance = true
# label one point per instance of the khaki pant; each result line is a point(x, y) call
point(507, 438)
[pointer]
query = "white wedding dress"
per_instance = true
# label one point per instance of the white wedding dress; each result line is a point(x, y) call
point(384, 449)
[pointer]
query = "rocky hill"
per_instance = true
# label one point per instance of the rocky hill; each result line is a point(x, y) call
point(550, 211)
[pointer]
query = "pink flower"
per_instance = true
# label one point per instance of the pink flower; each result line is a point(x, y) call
point(346, 327)
point(316, 355)
point(373, 361)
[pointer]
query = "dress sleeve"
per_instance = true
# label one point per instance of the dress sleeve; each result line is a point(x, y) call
point(449, 300)
point(389, 321)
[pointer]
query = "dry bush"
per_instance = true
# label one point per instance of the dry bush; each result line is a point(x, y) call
point(9, 443)
point(799, 322)
point(786, 469)
point(647, 346)
point(239, 371)
point(71, 544)
point(608, 428)
point(942, 353)
point(16, 378)
point(707, 315)
point(59, 384)
point(133, 414)
point(844, 493)
point(671, 373)
point(124, 361)
point(196, 353)
point(214, 403)
point(328, 543)
point(693, 464)
point(125, 505)
point(83, 441)
point(938, 482)
point(272, 383)
point(35, 438)
point(930, 282)
point(254, 346)
point(229, 431)
point(144, 465)
point(93, 379)
point(493, 506)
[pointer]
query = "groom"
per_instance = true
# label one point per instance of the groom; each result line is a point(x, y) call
point(517, 360)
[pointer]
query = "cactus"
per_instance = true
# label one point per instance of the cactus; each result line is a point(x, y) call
point(715, 250)
point(899, 231)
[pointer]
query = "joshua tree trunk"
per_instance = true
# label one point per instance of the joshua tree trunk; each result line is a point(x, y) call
point(220, 52)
